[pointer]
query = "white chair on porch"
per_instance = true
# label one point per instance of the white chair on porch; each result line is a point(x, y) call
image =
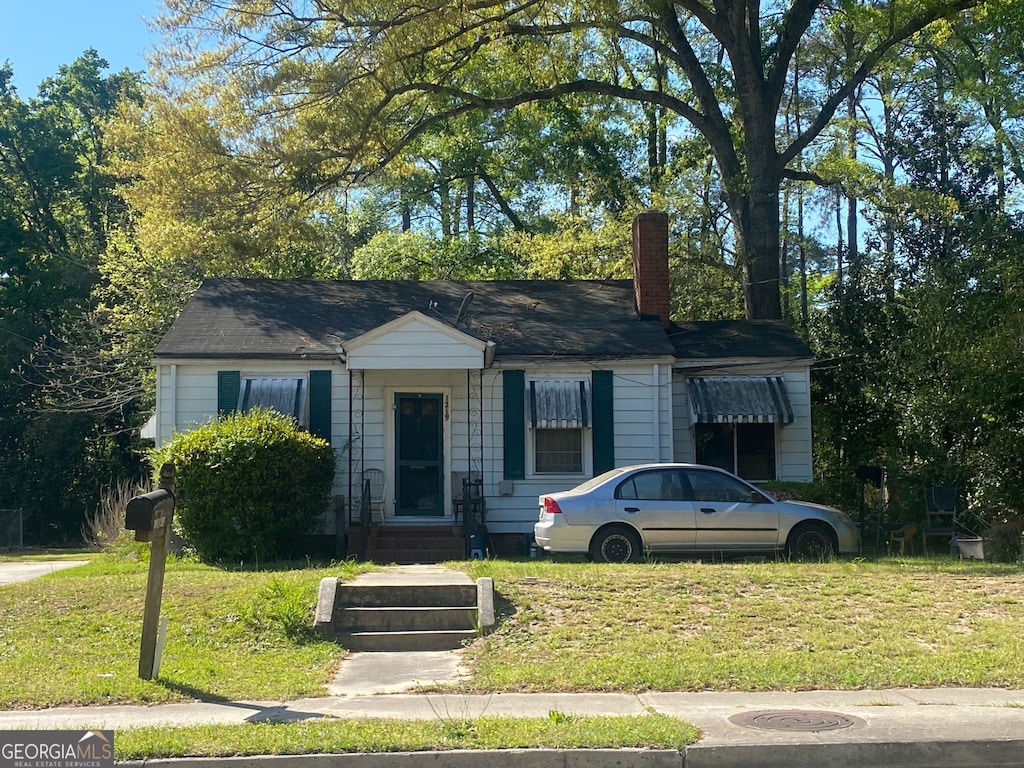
point(375, 479)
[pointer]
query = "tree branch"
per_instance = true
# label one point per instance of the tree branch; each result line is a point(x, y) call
point(797, 22)
point(470, 101)
point(499, 198)
point(867, 65)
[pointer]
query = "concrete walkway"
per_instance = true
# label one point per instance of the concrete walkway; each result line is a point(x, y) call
point(905, 728)
point(29, 569)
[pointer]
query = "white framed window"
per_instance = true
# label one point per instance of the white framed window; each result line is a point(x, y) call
point(285, 394)
point(559, 426)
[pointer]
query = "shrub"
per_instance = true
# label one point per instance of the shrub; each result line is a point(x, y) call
point(248, 486)
point(1004, 543)
point(787, 490)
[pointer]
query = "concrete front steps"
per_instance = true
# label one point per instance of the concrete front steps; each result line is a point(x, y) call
point(414, 608)
point(405, 544)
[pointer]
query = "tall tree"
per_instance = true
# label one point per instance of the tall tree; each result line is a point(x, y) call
point(59, 209)
point(355, 83)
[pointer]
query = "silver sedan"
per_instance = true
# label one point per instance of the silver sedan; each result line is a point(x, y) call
point(686, 509)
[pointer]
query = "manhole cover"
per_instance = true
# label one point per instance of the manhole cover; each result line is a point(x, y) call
point(811, 722)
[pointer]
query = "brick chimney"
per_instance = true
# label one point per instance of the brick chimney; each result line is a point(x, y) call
point(650, 265)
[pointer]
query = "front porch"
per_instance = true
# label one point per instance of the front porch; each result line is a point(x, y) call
point(414, 450)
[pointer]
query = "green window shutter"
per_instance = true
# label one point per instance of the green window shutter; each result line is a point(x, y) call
point(320, 404)
point(604, 422)
point(515, 424)
point(228, 385)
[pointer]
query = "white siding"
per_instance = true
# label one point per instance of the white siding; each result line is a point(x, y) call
point(635, 430)
point(795, 455)
point(634, 396)
point(194, 402)
point(415, 345)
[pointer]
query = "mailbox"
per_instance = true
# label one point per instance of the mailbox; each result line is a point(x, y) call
point(148, 513)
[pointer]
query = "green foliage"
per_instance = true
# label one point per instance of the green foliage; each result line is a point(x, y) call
point(72, 638)
point(567, 102)
point(922, 339)
point(417, 256)
point(1005, 543)
point(59, 207)
point(284, 609)
point(336, 736)
point(248, 487)
point(574, 249)
point(816, 493)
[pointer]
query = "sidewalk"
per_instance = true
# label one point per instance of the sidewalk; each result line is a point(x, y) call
point(909, 727)
point(13, 572)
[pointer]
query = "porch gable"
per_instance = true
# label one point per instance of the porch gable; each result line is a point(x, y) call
point(414, 341)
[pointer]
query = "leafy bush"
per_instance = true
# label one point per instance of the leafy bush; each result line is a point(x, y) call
point(1004, 543)
point(248, 486)
point(787, 490)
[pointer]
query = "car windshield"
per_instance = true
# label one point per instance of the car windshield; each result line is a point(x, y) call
point(596, 481)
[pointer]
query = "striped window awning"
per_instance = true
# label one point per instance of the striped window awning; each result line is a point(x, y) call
point(284, 395)
point(559, 403)
point(740, 400)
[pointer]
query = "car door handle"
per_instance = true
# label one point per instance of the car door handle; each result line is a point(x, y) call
point(632, 510)
point(708, 510)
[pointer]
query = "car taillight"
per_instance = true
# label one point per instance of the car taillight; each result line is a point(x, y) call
point(551, 506)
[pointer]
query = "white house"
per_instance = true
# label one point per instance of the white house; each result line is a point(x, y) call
point(526, 386)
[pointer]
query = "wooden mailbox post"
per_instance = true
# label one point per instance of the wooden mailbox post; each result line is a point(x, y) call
point(150, 516)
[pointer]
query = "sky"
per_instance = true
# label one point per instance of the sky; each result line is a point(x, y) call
point(38, 36)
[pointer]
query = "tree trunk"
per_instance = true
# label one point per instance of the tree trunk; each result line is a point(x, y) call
point(852, 231)
point(756, 215)
point(753, 199)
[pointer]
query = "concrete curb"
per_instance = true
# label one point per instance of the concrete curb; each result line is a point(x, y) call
point(485, 603)
point(326, 597)
point(934, 754)
point(939, 754)
point(492, 758)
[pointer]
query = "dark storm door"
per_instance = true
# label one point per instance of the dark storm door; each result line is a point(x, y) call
point(418, 439)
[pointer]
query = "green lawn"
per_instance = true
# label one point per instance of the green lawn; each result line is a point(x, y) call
point(557, 731)
point(72, 637)
point(768, 626)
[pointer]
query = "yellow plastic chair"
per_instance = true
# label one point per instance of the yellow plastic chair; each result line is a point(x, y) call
point(904, 536)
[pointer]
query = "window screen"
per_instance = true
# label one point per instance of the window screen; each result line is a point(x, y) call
point(558, 451)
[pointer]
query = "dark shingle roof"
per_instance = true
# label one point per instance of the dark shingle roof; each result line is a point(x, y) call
point(247, 318)
point(585, 319)
point(716, 339)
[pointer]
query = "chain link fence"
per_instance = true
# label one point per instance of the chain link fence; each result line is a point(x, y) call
point(12, 529)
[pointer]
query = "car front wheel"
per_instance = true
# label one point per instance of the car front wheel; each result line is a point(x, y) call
point(810, 542)
point(616, 545)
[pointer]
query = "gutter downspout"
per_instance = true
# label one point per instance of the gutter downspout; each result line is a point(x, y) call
point(174, 398)
point(656, 409)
